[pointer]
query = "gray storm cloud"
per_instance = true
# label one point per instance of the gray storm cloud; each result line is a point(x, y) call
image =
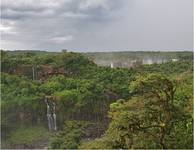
point(97, 25)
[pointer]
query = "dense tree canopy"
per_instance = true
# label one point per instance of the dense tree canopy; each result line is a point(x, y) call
point(150, 119)
point(145, 107)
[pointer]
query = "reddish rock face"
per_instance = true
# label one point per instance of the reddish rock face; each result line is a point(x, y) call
point(47, 71)
point(40, 72)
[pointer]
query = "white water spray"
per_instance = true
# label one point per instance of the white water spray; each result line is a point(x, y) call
point(54, 118)
point(51, 115)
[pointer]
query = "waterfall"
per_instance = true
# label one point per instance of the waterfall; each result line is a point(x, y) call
point(54, 117)
point(111, 65)
point(48, 115)
point(51, 115)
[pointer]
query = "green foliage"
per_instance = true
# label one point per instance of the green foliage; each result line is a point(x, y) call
point(74, 62)
point(150, 119)
point(27, 136)
point(20, 101)
point(70, 137)
point(152, 107)
point(169, 68)
point(125, 56)
point(102, 143)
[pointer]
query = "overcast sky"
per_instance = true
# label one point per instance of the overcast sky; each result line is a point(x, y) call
point(97, 25)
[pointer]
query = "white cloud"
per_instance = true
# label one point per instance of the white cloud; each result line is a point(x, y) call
point(62, 39)
point(32, 3)
point(74, 15)
point(97, 24)
point(93, 4)
point(6, 30)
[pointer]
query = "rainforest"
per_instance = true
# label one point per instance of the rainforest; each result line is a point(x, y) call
point(121, 100)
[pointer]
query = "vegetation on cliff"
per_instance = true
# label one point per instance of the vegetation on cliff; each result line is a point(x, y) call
point(96, 107)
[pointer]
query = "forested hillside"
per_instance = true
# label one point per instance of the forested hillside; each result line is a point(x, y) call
point(66, 101)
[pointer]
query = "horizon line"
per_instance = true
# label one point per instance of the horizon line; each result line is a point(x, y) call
point(105, 51)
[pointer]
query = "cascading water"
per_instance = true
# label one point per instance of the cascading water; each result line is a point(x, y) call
point(54, 118)
point(48, 114)
point(51, 115)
